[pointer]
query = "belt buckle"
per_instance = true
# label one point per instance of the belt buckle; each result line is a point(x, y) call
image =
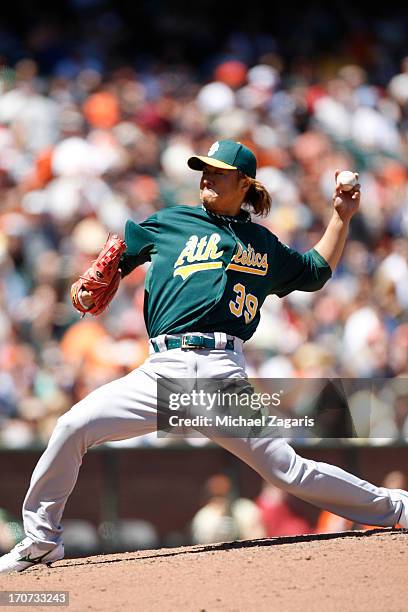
point(191, 345)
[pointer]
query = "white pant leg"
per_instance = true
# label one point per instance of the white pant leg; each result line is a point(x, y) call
point(326, 486)
point(323, 485)
point(124, 408)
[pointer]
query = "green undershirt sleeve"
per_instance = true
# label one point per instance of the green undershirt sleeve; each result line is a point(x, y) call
point(140, 244)
point(299, 272)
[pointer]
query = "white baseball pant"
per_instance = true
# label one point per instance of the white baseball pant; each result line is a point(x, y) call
point(126, 408)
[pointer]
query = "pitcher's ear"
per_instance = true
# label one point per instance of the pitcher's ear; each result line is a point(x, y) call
point(246, 181)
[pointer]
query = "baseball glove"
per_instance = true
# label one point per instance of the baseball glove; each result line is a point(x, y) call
point(102, 279)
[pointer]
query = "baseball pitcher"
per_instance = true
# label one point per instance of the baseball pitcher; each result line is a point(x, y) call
point(211, 270)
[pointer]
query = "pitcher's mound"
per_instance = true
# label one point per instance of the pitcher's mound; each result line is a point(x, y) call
point(352, 571)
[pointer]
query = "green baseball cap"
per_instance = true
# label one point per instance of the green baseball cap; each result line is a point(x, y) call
point(228, 155)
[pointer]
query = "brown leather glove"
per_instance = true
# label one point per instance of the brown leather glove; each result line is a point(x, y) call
point(102, 279)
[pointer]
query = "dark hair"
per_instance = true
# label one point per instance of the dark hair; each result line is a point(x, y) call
point(257, 197)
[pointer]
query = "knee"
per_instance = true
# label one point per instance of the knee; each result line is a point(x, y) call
point(287, 469)
point(71, 423)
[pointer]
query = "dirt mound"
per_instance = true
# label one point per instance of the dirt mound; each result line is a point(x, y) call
point(351, 571)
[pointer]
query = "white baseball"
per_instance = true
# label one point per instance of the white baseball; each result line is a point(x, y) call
point(346, 180)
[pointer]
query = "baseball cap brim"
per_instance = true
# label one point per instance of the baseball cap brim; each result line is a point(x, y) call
point(197, 162)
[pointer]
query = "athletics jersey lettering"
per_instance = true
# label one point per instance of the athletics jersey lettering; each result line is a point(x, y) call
point(242, 263)
point(249, 261)
point(203, 250)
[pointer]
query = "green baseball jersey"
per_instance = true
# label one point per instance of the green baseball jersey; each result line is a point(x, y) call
point(213, 273)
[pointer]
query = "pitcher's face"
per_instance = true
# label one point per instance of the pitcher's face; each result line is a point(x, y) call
point(222, 191)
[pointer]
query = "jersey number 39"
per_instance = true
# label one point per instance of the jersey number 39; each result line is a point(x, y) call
point(243, 299)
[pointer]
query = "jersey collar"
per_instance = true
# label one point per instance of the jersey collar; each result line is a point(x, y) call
point(243, 217)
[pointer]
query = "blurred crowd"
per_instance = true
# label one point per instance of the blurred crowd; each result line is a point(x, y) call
point(83, 149)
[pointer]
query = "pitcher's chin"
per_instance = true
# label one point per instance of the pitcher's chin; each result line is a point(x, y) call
point(209, 199)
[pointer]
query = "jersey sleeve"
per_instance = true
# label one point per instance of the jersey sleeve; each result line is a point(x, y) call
point(293, 271)
point(141, 241)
